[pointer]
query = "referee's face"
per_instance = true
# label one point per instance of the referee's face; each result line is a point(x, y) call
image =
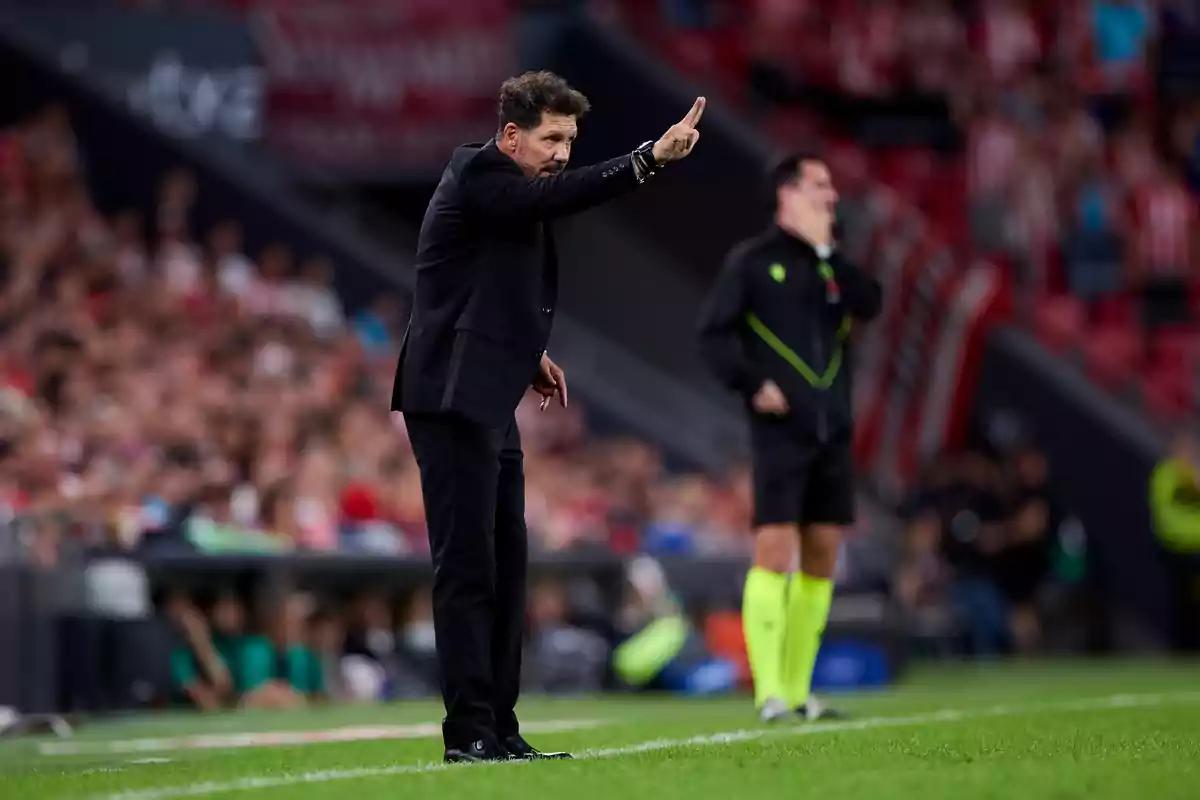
point(546, 149)
point(814, 189)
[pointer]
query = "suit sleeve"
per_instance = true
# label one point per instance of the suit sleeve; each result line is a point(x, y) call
point(861, 294)
point(498, 192)
point(721, 324)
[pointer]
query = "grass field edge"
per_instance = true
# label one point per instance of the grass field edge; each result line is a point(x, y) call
point(943, 716)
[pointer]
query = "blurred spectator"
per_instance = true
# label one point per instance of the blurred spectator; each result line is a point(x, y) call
point(369, 653)
point(660, 649)
point(562, 656)
point(1094, 221)
point(313, 298)
point(934, 42)
point(1063, 109)
point(190, 397)
point(1163, 245)
point(1023, 562)
point(221, 663)
point(1007, 36)
point(326, 636)
point(993, 150)
point(300, 666)
point(923, 579)
point(866, 48)
point(973, 535)
point(376, 325)
point(984, 541)
point(1175, 506)
point(1034, 224)
point(235, 272)
point(198, 674)
point(1121, 32)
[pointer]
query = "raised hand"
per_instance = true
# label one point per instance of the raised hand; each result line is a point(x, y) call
point(681, 137)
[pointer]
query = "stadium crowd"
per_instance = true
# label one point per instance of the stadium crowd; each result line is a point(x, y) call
point(1079, 164)
point(160, 386)
point(161, 390)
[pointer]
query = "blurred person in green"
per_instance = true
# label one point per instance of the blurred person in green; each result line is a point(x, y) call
point(299, 665)
point(1175, 510)
point(220, 664)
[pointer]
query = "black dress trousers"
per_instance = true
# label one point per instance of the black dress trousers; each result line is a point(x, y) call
point(473, 484)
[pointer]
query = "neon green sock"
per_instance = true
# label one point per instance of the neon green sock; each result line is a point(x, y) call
point(764, 620)
point(809, 599)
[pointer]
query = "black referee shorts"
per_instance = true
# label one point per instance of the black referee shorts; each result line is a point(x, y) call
point(800, 480)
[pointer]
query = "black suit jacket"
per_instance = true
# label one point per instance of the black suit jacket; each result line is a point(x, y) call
point(487, 281)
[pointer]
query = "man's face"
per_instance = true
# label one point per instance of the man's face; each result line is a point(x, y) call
point(810, 192)
point(227, 615)
point(544, 150)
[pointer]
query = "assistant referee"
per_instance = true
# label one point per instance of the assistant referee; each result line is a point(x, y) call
point(775, 330)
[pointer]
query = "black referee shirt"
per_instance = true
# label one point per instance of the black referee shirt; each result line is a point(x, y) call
point(780, 311)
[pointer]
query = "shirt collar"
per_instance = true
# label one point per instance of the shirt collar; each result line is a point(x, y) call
point(821, 253)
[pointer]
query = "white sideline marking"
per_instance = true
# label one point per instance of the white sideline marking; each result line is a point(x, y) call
point(228, 741)
point(808, 729)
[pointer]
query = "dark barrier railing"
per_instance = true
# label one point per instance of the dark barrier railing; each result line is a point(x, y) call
point(1100, 456)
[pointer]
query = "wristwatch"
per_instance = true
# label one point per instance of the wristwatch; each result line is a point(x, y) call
point(643, 160)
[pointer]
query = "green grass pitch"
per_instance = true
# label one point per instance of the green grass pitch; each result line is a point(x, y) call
point(1119, 730)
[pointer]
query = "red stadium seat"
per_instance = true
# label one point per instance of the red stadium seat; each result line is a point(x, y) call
point(1059, 321)
point(1168, 394)
point(1116, 309)
point(792, 127)
point(716, 56)
point(908, 170)
point(1194, 297)
point(850, 165)
point(1113, 353)
point(1176, 347)
point(945, 200)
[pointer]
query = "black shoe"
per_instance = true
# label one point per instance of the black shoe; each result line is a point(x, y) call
point(476, 752)
point(815, 710)
point(521, 750)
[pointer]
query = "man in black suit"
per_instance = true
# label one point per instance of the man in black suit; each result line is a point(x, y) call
point(482, 310)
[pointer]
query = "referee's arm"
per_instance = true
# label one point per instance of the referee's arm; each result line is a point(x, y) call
point(720, 327)
point(862, 295)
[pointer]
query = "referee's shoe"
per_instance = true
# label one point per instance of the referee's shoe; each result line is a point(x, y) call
point(774, 710)
point(815, 710)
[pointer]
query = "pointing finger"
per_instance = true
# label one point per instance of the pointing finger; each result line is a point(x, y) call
point(695, 112)
point(561, 380)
